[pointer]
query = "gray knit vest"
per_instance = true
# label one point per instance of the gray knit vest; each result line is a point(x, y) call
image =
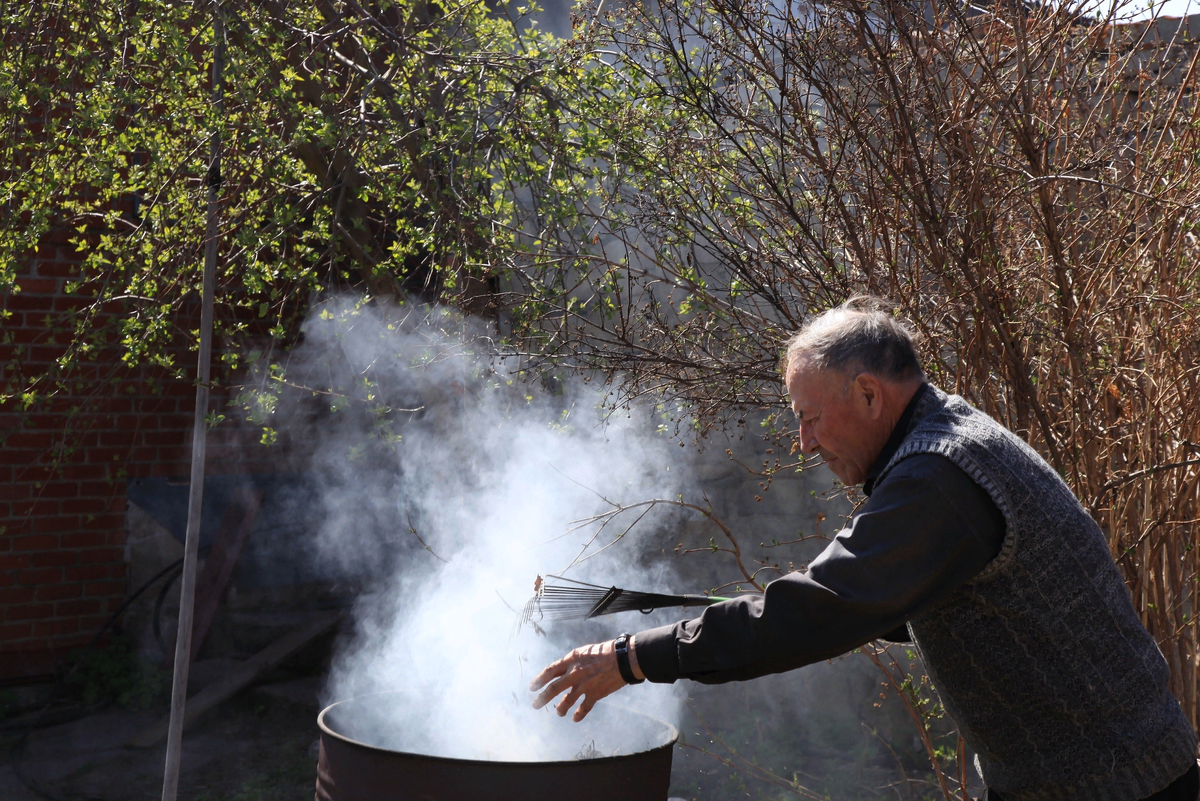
point(1041, 659)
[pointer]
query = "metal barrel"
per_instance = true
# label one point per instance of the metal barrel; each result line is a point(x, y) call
point(348, 770)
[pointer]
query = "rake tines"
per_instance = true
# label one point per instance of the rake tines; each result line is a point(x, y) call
point(568, 599)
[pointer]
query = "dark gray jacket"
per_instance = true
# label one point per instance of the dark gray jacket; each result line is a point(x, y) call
point(1039, 657)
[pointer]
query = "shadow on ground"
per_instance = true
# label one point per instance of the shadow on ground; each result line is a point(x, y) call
point(257, 746)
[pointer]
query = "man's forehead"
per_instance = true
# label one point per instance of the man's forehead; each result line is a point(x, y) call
point(804, 375)
point(804, 382)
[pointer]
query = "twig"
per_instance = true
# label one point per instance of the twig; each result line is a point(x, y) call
point(745, 766)
point(895, 756)
point(1158, 468)
point(413, 530)
point(915, 713)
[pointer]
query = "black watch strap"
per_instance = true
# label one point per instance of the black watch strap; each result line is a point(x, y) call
point(621, 645)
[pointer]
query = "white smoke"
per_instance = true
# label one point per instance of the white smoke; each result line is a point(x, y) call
point(492, 472)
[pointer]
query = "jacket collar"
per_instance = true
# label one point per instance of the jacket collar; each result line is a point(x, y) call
point(894, 441)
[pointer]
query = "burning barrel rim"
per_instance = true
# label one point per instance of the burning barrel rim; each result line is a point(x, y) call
point(668, 742)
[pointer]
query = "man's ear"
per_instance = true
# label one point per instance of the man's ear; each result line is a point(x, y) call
point(870, 392)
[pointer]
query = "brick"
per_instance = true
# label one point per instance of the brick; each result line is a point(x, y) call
point(102, 522)
point(15, 561)
point(57, 269)
point(56, 592)
point(55, 628)
point(37, 286)
point(46, 421)
point(113, 405)
point(101, 489)
point(99, 556)
point(35, 508)
point(41, 575)
point(179, 389)
point(169, 438)
point(18, 525)
point(27, 335)
point(83, 472)
point(83, 539)
point(104, 588)
point(60, 489)
point(28, 612)
point(82, 606)
point(105, 455)
point(12, 456)
point(34, 472)
point(14, 491)
point(29, 439)
point(29, 303)
point(84, 506)
point(36, 542)
point(114, 439)
point(15, 631)
point(70, 304)
point(59, 558)
point(59, 524)
point(153, 422)
point(16, 595)
point(44, 354)
point(85, 573)
point(85, 440)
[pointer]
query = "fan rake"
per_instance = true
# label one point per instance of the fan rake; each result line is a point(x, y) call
point(567, 599)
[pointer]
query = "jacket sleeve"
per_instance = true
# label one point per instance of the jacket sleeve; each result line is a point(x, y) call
point(925, 531)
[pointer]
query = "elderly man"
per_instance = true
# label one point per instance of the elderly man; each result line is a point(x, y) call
point(977, 546)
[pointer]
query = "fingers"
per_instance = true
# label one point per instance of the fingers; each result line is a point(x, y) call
point(584, 708)
point(561, 667)
point(552, 690)
point(568, 701)
point(551, 671)
point(588, 672)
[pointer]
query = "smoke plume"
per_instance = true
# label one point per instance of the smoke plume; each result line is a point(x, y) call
point(473, 481)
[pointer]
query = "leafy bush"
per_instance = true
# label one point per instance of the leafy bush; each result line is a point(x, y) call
point(114, 672)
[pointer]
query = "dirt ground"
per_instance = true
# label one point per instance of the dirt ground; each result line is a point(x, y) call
point(258, 746)
point(261, 745)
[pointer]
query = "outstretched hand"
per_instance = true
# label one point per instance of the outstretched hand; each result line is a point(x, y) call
point(589, 672)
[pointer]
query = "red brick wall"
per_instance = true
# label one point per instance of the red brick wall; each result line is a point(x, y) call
point(62, 474)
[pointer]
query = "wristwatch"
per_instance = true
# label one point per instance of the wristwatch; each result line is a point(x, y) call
point(621, 645)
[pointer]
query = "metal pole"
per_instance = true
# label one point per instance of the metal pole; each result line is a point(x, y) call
point(183, 639)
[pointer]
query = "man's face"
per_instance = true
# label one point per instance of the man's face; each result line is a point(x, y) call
point(840, 418)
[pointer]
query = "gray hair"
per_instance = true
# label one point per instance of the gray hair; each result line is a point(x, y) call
point(860, 336)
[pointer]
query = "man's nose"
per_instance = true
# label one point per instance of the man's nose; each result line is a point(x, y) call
point(808, 440)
